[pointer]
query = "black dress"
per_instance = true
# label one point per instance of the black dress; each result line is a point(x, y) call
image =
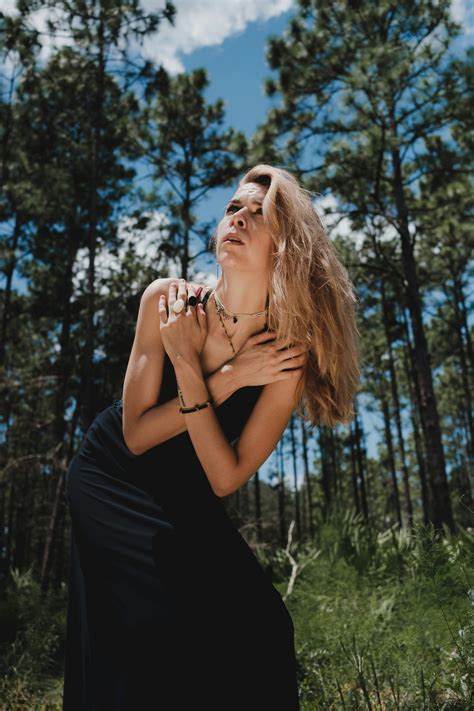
point(168, 608)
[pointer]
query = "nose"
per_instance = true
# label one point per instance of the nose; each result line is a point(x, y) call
point(238, 218)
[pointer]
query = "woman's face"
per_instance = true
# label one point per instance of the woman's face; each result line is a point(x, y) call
point(243, 220)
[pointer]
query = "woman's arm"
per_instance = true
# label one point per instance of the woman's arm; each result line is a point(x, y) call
point(164, 421)
point(226, 468)
point(212, 448)
point(144, 424)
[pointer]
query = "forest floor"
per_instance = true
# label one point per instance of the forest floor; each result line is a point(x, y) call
point(382, 621)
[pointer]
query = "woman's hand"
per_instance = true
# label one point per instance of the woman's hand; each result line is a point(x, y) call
point(183, 334)
point(263, 360)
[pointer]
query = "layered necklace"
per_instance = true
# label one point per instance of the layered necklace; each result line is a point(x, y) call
point(226, 315)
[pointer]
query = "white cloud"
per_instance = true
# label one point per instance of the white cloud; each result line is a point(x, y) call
point(197, 24)
point(8, 7)
point(145, 247)
point(339, 225)
point(334, 222)
point(462, 11)
point(204, 24)
point(36, 20)
point(144, 244)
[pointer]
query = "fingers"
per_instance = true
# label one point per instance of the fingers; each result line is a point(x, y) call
point(191, 292)
point(177, 290)
point(162, 310)
point(282, 347)
point(182, 289)
point(171, 295)
point(264, 336)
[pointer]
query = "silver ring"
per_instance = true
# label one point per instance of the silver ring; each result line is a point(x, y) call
point(178, 306)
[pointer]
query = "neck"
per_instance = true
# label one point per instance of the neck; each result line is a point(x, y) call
point(243, 295)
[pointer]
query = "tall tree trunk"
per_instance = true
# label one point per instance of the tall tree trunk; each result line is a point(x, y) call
point(63, 373)
point(394, 498)
point(8, 484)
point(414, 400)
point(95, 164)
point(10, 516)
point(309, 497)
point(295, 478)
point(360, 467)
point(325, 470)
point(441, 512)
point(186, 221)
point(62, 464)
point(281, 495)
point(9, 270)
point(353, 447)
point(466, 330)
point(458, 298)
point(396, 409)
point(334, 469)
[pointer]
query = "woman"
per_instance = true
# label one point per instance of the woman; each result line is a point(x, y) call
point(168, 606)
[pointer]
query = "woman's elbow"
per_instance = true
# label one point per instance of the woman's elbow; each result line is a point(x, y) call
point(219, 492)
point(227, 487)
point(130, 444)
point(132, 449)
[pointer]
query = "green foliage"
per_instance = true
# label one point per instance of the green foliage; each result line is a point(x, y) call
point(385, 621)
point(191, 153)
point(32, 631)
point(382, 621)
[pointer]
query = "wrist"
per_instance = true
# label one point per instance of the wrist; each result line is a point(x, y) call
point(233, 376)
point(188, 362)
point(192, 388)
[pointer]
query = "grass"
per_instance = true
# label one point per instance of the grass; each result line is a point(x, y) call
point(385, 621)
point(31, 644)
point(382, 621)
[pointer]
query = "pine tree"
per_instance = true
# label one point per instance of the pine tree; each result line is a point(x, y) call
point(366, 86)
point(189, 153)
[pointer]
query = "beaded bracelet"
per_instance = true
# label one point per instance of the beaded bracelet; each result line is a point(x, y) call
point(197, 406)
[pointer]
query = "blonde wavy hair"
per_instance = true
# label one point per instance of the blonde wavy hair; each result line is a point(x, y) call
point(311, 298)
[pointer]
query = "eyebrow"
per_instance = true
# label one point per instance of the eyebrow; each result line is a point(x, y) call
point(239, 202)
